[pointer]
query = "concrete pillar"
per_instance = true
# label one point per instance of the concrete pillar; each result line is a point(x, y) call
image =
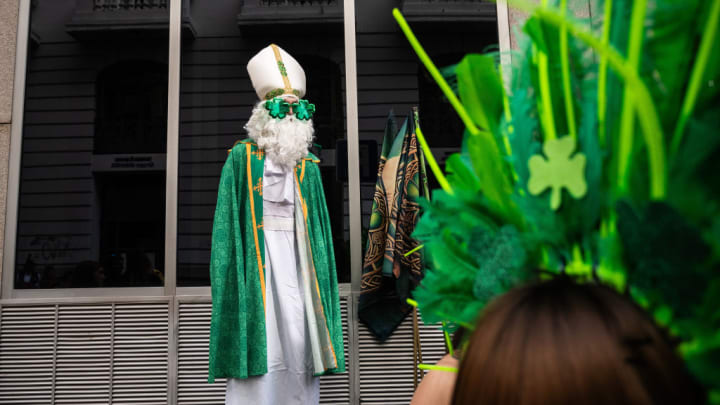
point(516, 19)
point(8, 38)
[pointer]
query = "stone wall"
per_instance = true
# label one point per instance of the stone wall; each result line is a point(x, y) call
point(580, 8)
point(8, 36)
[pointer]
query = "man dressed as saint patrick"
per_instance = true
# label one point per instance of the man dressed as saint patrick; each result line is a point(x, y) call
point(276, 322)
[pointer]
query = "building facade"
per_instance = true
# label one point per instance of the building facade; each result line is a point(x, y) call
point(115, 119)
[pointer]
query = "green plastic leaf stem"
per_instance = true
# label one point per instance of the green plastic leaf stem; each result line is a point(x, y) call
point(422, 366)
point(434, 167)
point(565, 65)
point(709, 36)
point(546, 111)
point(448, 342)
point(627, 118)
point(602, 73)
point(414, 250)
point(546, 114)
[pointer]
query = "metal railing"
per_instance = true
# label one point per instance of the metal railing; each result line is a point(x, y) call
point(114, 5)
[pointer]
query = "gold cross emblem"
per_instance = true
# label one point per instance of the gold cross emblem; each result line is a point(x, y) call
point(259, 153)
point(259, 186)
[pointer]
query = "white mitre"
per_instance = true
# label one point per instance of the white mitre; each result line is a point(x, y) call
point(275, 73)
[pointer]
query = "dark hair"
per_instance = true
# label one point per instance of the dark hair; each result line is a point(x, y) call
point(559, 342)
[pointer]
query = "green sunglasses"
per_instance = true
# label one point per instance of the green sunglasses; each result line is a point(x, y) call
point(279, 108)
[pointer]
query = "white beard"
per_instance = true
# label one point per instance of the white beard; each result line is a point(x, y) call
point(285, 141)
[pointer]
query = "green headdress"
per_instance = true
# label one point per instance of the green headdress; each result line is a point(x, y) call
point(599, 161)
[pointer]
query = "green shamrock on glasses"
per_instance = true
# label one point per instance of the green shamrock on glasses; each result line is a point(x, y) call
point(279, 108)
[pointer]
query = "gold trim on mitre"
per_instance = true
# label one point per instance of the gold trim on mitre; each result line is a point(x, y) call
point(279, 92)
point(283, 71)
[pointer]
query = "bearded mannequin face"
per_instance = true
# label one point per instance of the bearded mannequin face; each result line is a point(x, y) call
point(285, 141)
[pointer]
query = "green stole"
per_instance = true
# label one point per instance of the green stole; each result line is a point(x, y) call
point(238, 344)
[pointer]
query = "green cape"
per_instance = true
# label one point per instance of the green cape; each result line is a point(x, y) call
point(238, 345)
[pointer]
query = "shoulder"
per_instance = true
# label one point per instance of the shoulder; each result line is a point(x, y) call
point(236, 156)
point(311, 158)
point(242, 144)
point(239, 148)
point(311, 165)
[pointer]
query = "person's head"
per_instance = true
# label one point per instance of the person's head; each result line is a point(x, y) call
point(278, 77)
point(558, 342)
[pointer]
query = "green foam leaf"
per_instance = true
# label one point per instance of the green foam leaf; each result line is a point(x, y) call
point(481, 90)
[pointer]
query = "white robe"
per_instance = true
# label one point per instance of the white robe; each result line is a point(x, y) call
point(290, 377)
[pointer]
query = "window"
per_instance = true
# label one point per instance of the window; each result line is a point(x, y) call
point(92, 179)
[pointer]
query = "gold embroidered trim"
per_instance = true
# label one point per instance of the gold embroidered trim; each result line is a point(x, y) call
point(281, 67)
point(279, 92)
point(248, 148)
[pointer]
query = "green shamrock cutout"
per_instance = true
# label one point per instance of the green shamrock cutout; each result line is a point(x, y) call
point(304, 110)
point(281, 66)
point(558, 171)
point(277, 107)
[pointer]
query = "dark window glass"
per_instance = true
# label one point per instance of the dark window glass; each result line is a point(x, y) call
point(391, 78)
point(438, 116)
point(131, 115)
point(92, 183)
point(217, 98)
